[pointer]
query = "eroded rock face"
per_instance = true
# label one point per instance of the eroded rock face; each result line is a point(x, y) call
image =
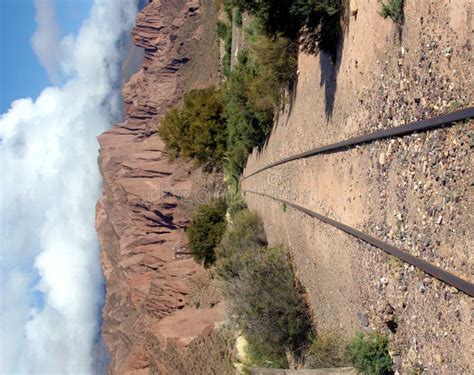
point(140, 220)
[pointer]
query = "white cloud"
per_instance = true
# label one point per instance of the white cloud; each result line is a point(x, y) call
point(51, 282)
point(46, 38)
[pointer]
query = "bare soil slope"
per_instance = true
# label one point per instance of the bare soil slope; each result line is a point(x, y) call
point(414, 192)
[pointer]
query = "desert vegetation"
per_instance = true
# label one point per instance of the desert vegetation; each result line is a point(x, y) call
point(219, 127)
point(311, 22)
point(326, 350)
point(206, 230)
point(369, 354)
point(255, 87)
point(266, 302)
point(264, 297)
point(224, 33)
point(393, 9)
point(253, 93)
point(197, 130)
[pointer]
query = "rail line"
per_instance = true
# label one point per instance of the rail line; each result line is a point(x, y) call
point(440, 274)
point(412, 127)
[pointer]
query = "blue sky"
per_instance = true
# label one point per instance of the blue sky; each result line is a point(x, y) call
point(21, 75)
point(51, 283)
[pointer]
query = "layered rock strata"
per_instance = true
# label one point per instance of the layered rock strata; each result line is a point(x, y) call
point(142, 213)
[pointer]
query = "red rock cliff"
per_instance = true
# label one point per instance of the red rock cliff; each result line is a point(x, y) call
point(140, 221)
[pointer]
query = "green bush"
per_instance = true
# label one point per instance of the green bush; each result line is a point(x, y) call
point(243, 232)
point(263, 296)
point(369, 354)
point(226, 60)
point(224, 32)
point(238, 17)
point(206, 230)
point(309, 20)
point(228, 8)
point(222, 29)
point(197, 130)
point(275, 63)
point(393, 9)
point(253, 93)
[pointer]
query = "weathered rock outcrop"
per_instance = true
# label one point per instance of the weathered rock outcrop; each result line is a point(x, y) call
point(140, 216)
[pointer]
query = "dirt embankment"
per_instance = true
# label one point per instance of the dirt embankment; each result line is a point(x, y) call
point(414, 192)
point(148, 317)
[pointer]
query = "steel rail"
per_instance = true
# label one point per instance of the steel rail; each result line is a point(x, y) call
point(440, 274)
point(412, 127)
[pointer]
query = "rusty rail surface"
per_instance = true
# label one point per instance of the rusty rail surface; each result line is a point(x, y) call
point(398, 131)
point(440, 274)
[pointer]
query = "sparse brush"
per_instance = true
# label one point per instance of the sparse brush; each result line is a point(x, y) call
point(206, 230)
point(253, 93)
point(222, 30)
point(369, 354)
point(326, 350)
point(238, 17)
point(315, 21)
point(394, 10)
point(263, 296)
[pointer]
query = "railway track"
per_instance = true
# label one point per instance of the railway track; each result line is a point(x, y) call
point(398, 131)
point(440, 274)
point(418, 126)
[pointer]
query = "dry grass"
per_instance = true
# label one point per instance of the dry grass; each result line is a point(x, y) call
point(208, 354)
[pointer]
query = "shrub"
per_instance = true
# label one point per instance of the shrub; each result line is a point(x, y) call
point(235, 200)
point(275, 61)
point(319, 23)
point(312, 20)
point(248, 124)
point(228, 8)
point(206, 230)
point(393, 9)
point(238, 17)
point(369, 354)
point(226, 60)
point(243, 232)
point(224, 32)
point(197, 130)
point(261, 290)
point(221, 30)
point(326, 350)
point(256, 357)
point(253, 93)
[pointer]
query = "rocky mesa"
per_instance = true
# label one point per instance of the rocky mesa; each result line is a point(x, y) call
point(141, 215)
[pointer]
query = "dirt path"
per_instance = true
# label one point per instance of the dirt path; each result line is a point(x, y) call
point(414, 192)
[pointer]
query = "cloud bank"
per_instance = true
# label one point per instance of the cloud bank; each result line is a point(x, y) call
point(51, 281)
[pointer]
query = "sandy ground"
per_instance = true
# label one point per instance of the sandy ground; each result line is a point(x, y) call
point(414, 192)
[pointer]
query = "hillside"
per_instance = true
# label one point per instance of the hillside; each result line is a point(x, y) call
point(146, 203)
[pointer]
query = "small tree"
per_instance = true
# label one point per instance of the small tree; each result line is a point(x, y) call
point(206, 230)
point(197, 130)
